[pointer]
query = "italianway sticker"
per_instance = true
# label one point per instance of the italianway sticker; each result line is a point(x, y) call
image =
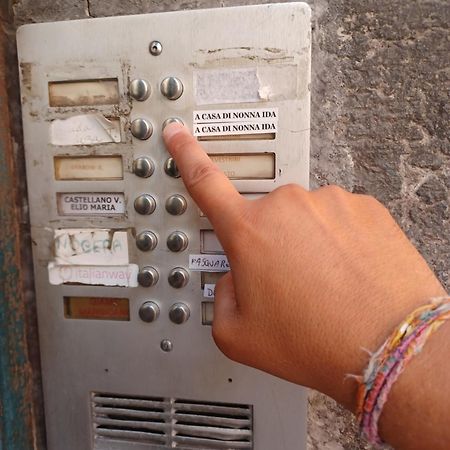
point(208, 263)
point(209, 290)
point(124, 276)
point(235, 122)
point(91, 204)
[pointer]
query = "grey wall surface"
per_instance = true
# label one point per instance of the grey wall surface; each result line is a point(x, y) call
point(380, 92)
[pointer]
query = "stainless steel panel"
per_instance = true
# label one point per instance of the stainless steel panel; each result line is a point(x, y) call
point(128, 357)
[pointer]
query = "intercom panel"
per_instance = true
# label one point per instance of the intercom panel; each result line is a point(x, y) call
point(125, 262)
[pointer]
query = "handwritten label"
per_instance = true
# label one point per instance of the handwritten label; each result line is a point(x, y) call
point(235, 122)
point(209, 291)
point(91, 204)
point(91, 247)
point(208, 263)
point(88, 129)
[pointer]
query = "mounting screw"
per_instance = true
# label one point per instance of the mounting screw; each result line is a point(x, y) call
point(156, 48)
point(166, 345)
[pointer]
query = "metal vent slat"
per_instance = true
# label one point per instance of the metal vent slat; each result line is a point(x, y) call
point(130, 402)
point(138, 414)
point(210, 443)
point(131, 424)
point(213, 409)
point(211, 420)
point(170, 423)
point(131, 436)
point(225, 434)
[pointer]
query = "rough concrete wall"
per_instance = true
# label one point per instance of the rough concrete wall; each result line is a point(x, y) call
point(379, 125)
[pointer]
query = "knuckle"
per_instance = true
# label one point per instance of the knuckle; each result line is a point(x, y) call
point(290, 189)
point(334, 190)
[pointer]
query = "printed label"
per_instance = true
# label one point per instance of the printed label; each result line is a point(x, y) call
point(233, 122)
point(123, 276)
point(208, 263)
point(90, 204)
point(209, 291)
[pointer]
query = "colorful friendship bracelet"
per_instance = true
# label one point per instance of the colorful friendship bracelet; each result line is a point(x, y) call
point(389, 361)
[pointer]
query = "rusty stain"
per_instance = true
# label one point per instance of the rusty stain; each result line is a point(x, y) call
point(26, 71)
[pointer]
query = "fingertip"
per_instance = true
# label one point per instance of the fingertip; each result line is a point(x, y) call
point(172, 130)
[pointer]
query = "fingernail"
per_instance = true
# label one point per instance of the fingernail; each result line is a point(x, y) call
point(171, 130)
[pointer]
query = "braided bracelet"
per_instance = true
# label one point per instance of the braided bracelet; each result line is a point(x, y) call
point(389, 361)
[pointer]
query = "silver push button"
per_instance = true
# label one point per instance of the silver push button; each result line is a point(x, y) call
point(149, 312)
point(179, 313)
point(148, 277)
point(143, 167)
point(171, 169)
point(145, 204)
point(177, 242)
point(146, 241)
point(176, 205)
point(172, 88)
point(141, 129)
point(140, 90)
point(172, 120)
point(178, 278)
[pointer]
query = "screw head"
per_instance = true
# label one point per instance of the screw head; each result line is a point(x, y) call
point(166, 345)
point(155, 48)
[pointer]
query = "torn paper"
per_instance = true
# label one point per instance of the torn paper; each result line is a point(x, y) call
point(250, 85)
point(86, 129)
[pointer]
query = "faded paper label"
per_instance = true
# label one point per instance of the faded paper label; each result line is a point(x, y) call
point(123, 276)
point(86, 129)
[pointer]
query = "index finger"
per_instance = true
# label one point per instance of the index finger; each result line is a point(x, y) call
point(207, 184)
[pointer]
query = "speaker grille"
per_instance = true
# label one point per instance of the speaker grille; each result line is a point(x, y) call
point(169, 423)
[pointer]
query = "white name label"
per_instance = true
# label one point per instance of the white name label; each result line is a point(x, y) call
point(91, 247)
point(235, 122)
point(209, 291)
point(91, 204)
point(208, 263)
point(124, 276)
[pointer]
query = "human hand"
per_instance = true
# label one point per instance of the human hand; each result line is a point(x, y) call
point(315, 276)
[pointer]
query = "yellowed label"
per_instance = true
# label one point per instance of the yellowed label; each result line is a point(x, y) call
point(97, 308)
point(88, 168)
point(84, 92)
point(256, 166)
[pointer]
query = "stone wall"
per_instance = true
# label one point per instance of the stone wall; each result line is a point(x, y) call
point(380, 115)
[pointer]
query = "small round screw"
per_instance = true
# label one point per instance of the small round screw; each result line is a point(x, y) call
point(166, 345)
point(156, 48)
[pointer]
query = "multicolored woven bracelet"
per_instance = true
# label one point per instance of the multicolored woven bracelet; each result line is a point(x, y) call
point(389, 361)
